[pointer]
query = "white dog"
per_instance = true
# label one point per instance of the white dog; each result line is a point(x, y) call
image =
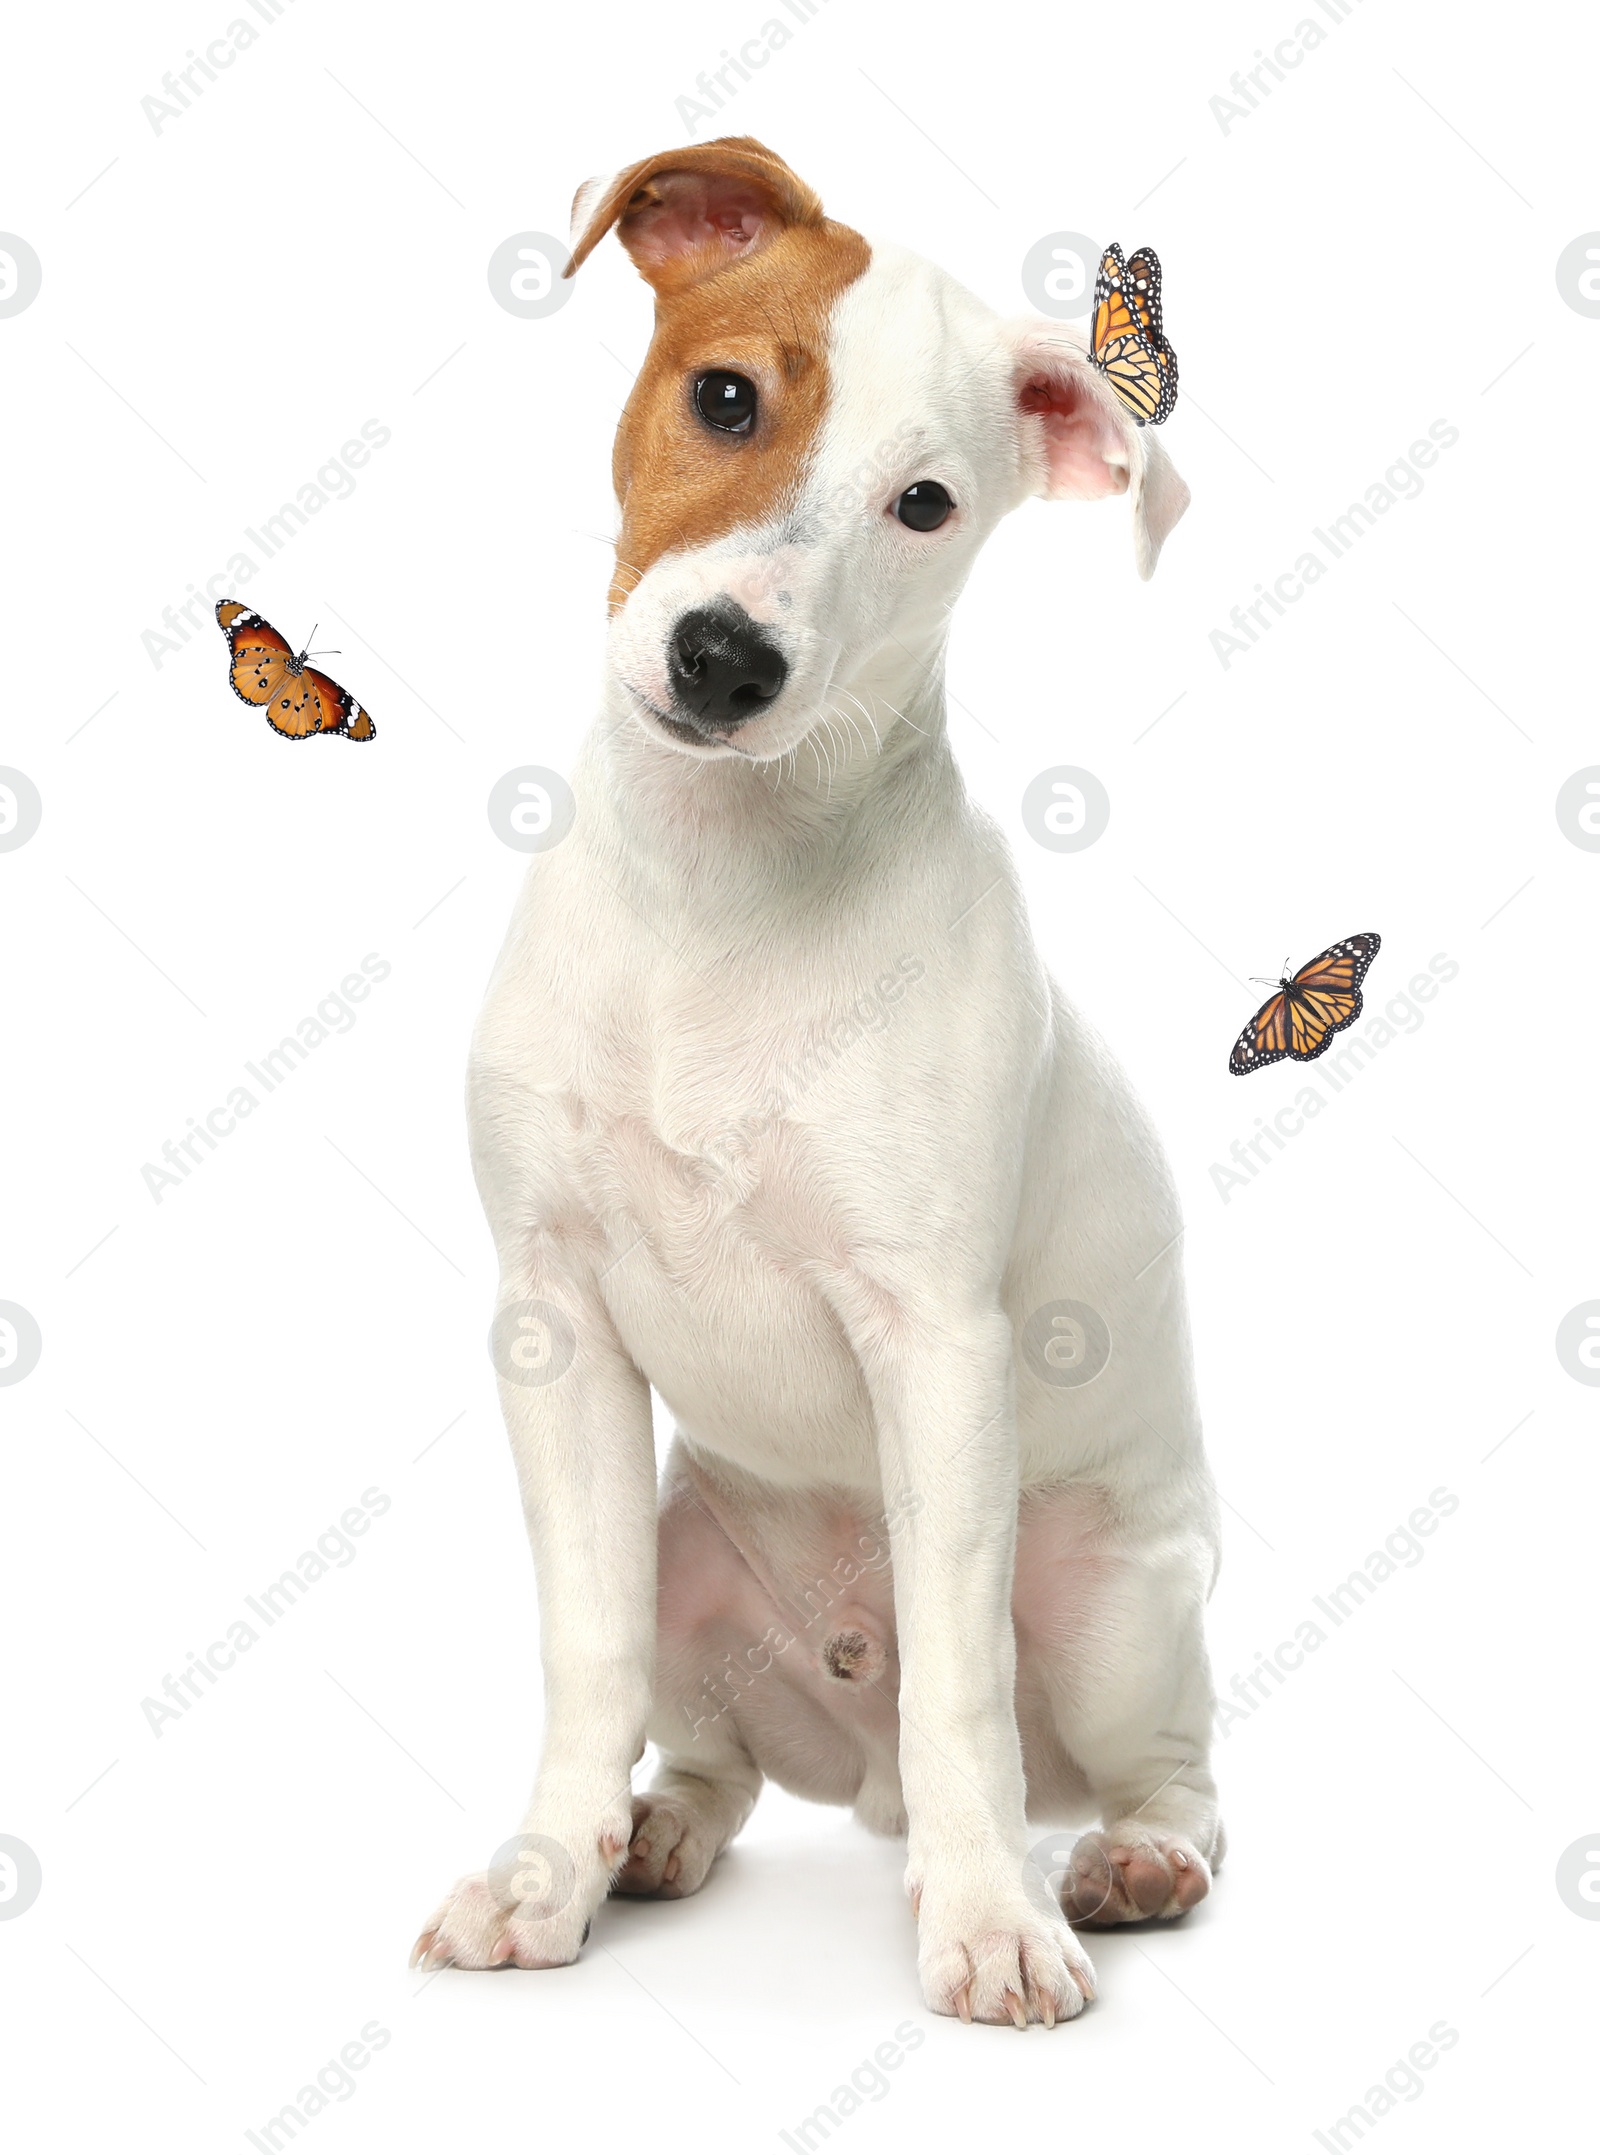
point(775, 1109)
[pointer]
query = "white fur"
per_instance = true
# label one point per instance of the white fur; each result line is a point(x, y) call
point(820, 1238)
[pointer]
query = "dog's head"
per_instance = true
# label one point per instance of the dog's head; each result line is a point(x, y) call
point(821, 437)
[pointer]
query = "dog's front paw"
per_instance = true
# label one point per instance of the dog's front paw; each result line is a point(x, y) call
point(531, 1908)
point(1129, 1872)
point(1000, 1960)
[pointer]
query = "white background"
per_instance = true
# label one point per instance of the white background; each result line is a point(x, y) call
point(304, 249)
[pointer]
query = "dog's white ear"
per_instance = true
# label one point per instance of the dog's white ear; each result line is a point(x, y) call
point(684, 213)
point(1080, 443)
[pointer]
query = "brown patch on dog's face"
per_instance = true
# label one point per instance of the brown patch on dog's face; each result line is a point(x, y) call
point(746, 270)
point(681, 482)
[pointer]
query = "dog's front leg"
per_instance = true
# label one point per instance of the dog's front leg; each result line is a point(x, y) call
point(578, 1415)
point(942, 1389)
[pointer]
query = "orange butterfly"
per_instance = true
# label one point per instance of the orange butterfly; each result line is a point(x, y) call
point(299, 701)
point(1127, 342)
point(1308, 1009)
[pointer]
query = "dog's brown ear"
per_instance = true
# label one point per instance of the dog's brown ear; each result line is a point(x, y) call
point(683, 213)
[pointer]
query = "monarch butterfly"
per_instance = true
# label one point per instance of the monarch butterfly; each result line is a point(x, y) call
point(1308, 1009)
point(1128, 344)
point(299, 701)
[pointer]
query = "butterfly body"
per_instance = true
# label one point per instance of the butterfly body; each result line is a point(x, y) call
point(1310, 1006)
point(272, 677)
point(1127, 342)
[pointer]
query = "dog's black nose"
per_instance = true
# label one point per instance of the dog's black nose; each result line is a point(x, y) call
point(723, 667)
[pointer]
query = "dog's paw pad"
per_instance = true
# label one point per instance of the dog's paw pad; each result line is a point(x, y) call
point(1129, 1873)
point(670, 1853)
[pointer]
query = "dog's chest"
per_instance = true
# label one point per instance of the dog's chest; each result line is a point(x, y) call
point(696, 1131)
point(702, 1154)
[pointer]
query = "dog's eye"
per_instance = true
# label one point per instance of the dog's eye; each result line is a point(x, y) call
point(726, 401)
point(925, 506)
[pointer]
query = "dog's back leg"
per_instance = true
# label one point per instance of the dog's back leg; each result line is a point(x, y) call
point(1110, 1649)
point(710, 1618)
point(684, 1821)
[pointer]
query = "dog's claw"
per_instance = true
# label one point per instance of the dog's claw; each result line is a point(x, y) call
point(964, 2005)
point(1017, 2010)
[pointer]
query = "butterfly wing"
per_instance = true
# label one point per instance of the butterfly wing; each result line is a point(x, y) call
point(1342, 966)
point(1112, 320)
point(261, 672)
point(297, 711)
point(1265, 1039)
point(341, 712)
point(1142, 285)
point(1127, 342)
point(1325, 996)
point(259, 657)
point(1167, 361)
point(1133, 368)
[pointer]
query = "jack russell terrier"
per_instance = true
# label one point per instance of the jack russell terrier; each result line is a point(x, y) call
point(775, 1109)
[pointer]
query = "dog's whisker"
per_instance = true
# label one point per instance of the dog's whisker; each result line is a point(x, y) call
point(877, 738)
point(845, 719)
point(844, 716)
point(839, 752)
point(911, 722)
